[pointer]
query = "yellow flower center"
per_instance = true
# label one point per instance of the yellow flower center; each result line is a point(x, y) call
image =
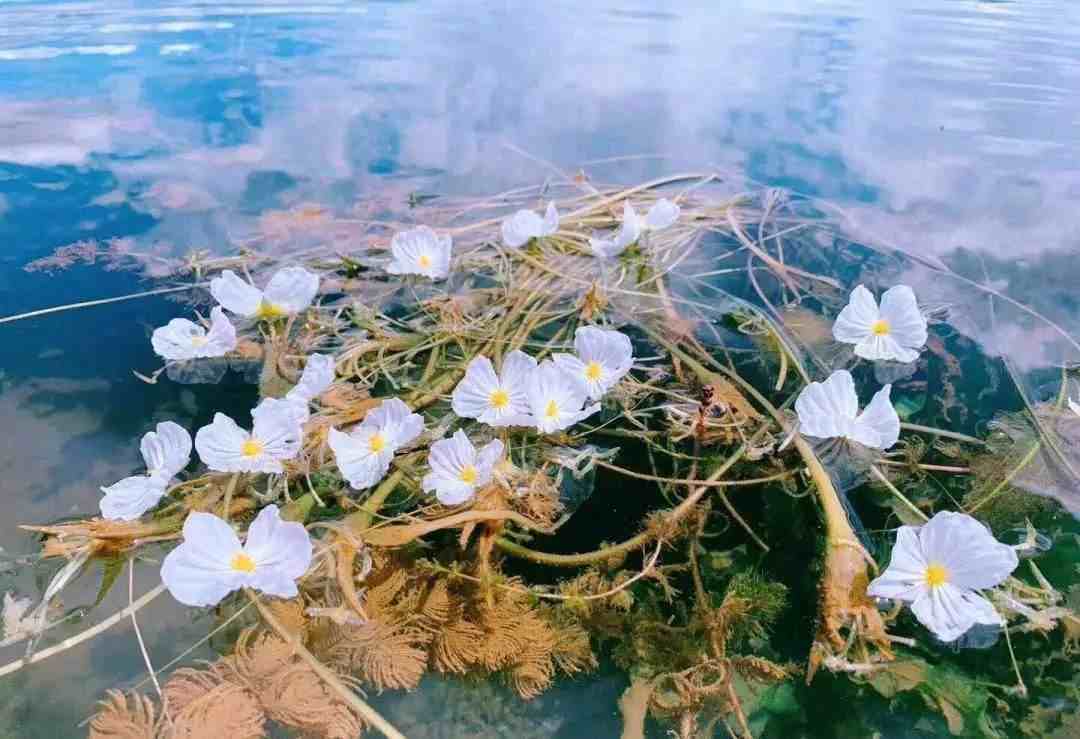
point(376, 443)
point(269, 311)
point(551, 410)
point(241, 562)
point(936, 575)
point(499, 399)
point(199, 340)
point(424, 261)
point(593, 370)
point(252, 448)
point(468, 475)
point(880, 328)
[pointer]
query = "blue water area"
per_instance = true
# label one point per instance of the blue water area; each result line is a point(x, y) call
point(946, 127)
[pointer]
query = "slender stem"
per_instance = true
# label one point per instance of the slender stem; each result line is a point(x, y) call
point(927, 467)
point(1001, 486)
point(230, 488)
point(92, 303)
point(694, 483)
point(893, 489)
point(142, 644)
point(631, 544)
point(361, 519)
point(82, 636)
point(941, 432)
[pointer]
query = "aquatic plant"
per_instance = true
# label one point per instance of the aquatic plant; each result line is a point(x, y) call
point(540, 374)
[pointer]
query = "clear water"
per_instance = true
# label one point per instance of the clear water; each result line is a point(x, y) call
point(938, 126)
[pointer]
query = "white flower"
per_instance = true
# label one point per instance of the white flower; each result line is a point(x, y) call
point(525, 224)
point(830, 410)
point(181, 339)
point(495, 400)
point(318, 375)
point(364, 454)
point(1074, 406)
point(938, 567)
point(289, 291)
point(166, 450)
point(556, 398)
point(458, 470)
point(420, 251)
point(226, 447)
point(211, 562)
point(603, 357)
point(662, 214)
point(896, 330)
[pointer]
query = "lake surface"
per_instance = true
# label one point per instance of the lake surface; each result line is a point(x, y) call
point(947, 128)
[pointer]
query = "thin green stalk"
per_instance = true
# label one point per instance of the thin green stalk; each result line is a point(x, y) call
point(630, 545)
point(92, 303)
point(895, 491)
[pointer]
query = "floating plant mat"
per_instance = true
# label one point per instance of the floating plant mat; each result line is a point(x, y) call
point(424, 491)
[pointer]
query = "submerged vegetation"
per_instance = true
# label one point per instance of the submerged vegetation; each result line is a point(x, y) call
point(519, 446)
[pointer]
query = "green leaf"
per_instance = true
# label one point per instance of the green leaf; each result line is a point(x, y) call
point(110, 570)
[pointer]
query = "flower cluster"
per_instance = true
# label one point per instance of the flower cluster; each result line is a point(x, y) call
point(548, 396)
point(211, 562)
point(894, 331)
point(938, 568)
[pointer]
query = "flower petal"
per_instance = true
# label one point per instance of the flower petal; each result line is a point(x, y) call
point(292, 289)
point(212, 537)
point(827, 409)
point(518, 228)
point(551, 220)
point(279, 432)
point(166, 450)
point(946, 611)
point(487, 457)
point(611, 350)
point(885, 348)
point(219, 444)
point(905, 577)
point(450, 491)
point(177, 339)
point(191, 583)
point(355, 459)
point(278, 545)
point(606, 248)
point(198, 572)
point(274, 407)
point(399, 423)
point(973, 558)
point(662, 214)
point(273, 581)
point(221, 338)
point(471, 397)
point(856, 321)
point(630, 229)
point(319, 374)
point(236, 295)
point(878, 426)
point(131, 497)
point(907, 324)
point(515, 371)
